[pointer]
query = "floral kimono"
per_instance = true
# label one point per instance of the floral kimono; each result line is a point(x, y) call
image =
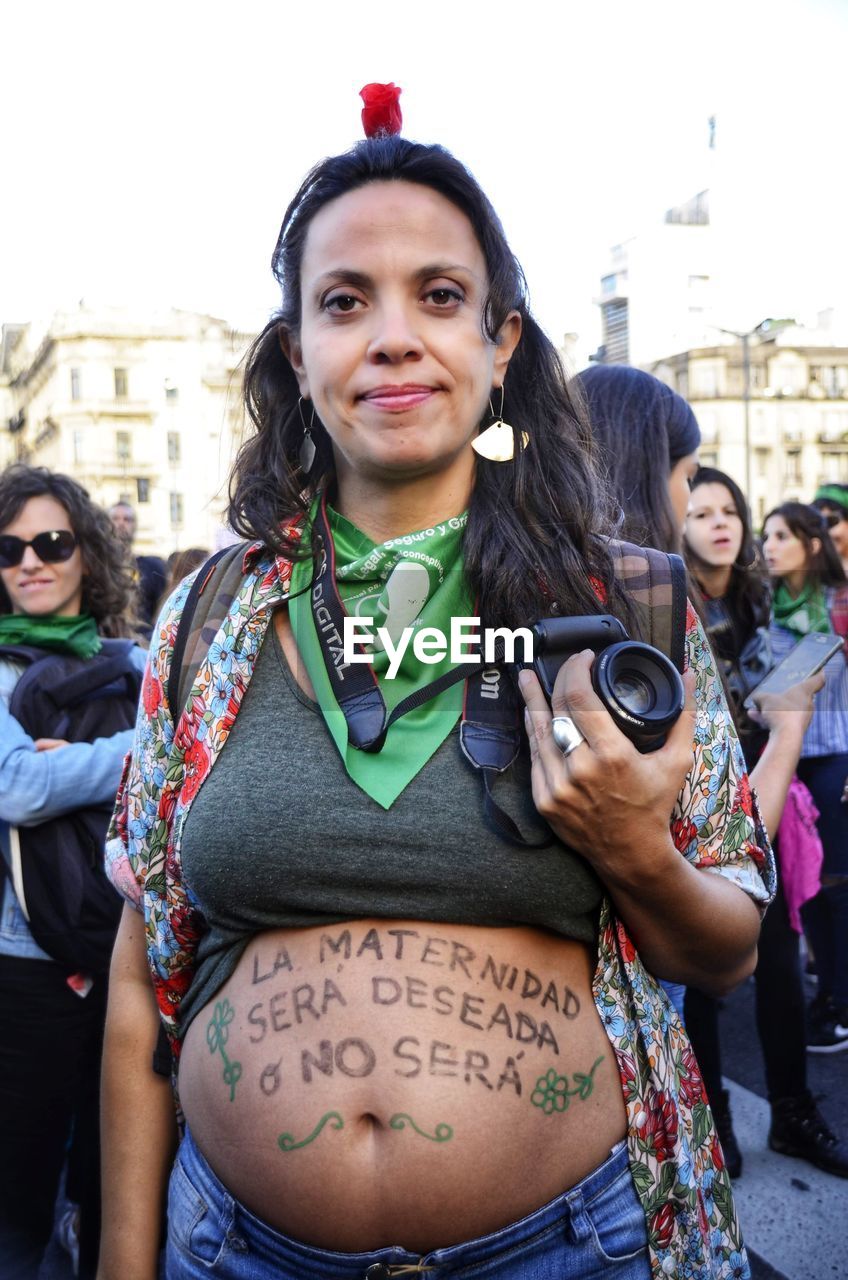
point(675, 1157)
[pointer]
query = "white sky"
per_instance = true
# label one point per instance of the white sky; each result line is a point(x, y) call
point(149, 150)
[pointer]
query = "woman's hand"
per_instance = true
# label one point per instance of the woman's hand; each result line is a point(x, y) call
point(614, 805)
point(605, 800)
point(50, 744)
point(790, 710)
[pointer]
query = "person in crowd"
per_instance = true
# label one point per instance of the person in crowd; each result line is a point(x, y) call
point(149, 572)
point(648, 439)
point(63, 585)
point(179, 565)
point(722, 557)
point(390, 1054)
point(645, 431)
point(811, 594)
point(832, 501)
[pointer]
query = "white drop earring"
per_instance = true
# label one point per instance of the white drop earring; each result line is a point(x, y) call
point(497, 442)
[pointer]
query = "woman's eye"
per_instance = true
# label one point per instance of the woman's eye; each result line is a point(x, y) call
point(341, 303)
point(444, 297)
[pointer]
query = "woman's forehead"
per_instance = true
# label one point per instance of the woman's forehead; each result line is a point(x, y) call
point(390, 219)
point(40, 514)
point(712, 494)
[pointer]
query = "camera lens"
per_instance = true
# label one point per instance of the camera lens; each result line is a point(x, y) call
point(641, 689)
point(634, 692)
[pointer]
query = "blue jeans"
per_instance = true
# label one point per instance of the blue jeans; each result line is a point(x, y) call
point(597, 1229)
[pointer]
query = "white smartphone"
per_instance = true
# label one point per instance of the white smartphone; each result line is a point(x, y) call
point(809, 656)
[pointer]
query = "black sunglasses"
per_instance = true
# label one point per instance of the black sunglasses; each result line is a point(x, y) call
point(51, 547)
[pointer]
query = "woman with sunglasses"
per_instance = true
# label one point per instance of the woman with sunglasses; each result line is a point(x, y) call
point(63, 585)
point(392, 1059)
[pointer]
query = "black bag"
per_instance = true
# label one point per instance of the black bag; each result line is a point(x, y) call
point(57, 866)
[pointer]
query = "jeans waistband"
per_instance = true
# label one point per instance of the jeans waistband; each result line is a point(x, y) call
point(396, 1261)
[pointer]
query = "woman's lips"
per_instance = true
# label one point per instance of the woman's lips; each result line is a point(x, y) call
point(398, 399)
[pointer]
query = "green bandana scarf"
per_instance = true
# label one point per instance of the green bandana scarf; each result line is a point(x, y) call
point(76, 635)
point(414, 581)
point(802, 613)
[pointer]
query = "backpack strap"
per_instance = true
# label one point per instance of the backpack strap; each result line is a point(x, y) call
point(655, 583)
point(207, 605)
point(113, 665)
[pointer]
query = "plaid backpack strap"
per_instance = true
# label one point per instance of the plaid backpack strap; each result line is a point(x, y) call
point(207, 604)
point(655, 583)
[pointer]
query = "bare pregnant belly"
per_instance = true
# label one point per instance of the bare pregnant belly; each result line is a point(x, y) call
point(399, 1083)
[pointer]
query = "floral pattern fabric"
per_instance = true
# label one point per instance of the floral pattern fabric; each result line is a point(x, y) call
point(675, 1158)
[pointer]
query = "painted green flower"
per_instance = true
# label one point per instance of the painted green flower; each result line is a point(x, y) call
point(551, 1093)
point(217, 1033)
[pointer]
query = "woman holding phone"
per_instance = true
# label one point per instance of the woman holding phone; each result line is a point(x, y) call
point(811, 594)
point(722, 558)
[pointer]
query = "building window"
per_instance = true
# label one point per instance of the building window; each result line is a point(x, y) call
point(78, 447)
point(173, 446)
point(176, 509)
point(792, 470)
point(76, 384)
point(834, 468)
point(142, 489)
point(761, 457)
point(123, 446)
point(121, 384)
point(708, 459)
point(172, 392)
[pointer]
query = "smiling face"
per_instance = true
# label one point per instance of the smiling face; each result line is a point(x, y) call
point(34, 586)
point(785, 553)
point(714, 528)
point(391, 348)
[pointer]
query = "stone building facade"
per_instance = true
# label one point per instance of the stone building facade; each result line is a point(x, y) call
point(797, 408)
point(141, 408)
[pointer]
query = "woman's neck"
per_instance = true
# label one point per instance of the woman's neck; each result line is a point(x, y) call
point(382, 511)
point(795, 582)
point(715, 579)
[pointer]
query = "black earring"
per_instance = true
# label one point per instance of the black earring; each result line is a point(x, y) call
point(306, 453)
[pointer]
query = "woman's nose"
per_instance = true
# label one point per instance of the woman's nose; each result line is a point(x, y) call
point(30, 561)
point(396, 335)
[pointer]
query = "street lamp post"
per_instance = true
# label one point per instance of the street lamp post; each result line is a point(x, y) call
point(765, 326)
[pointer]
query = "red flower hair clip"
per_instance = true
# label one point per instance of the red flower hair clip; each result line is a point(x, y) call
point(381, 113)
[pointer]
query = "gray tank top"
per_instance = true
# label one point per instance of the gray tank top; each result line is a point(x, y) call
point(279, 836)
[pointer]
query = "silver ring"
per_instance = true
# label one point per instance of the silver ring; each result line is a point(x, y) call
point(566, 734)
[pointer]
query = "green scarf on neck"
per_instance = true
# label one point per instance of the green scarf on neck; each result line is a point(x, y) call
point(802, 613)
point(413, 581)
point(76, 635)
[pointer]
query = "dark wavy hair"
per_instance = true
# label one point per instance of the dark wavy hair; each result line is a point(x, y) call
point(536, 524)
point(641, 428)
point(107, 586)
point(807, 523)
point(748, 595)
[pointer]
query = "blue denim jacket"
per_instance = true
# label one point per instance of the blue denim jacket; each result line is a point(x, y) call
point(38, 785)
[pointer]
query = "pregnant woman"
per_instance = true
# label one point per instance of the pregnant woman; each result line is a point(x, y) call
point(407, 1043)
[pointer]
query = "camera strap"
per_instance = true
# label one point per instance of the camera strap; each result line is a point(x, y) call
point(490, 729)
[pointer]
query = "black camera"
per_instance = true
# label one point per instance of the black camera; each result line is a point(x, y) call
point(639, 686)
